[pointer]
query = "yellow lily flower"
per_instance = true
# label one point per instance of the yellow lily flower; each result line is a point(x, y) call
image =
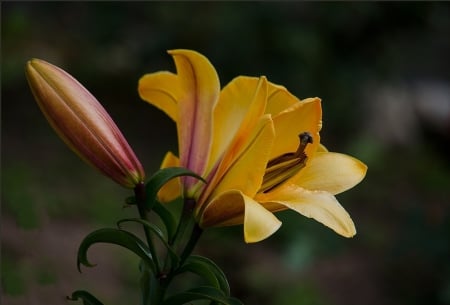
point(257, 146)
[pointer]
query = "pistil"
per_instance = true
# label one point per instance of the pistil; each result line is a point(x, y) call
point(285, 166)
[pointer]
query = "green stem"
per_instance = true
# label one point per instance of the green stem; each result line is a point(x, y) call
point(195, 236)
point(139, 192)
point(186, 219)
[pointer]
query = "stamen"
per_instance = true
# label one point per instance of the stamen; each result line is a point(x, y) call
point(284, 167)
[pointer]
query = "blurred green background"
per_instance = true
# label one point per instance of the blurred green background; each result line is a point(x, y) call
point(382, 71)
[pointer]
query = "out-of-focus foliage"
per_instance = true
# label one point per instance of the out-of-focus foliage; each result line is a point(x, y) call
point(382, 71)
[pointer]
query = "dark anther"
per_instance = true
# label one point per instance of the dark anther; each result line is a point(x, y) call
point(305, 138)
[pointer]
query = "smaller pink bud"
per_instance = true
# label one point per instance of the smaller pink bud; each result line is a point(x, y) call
point(83, 124)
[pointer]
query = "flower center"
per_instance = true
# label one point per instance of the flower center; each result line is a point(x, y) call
point(285, 166)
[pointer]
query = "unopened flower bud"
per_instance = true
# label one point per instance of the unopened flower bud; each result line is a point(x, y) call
point(82, 122)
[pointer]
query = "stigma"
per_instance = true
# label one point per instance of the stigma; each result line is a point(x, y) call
point(285, 166)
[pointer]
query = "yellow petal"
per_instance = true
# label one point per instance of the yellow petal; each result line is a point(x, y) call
point(172, 189)
point(319, 205)
point(259, 223)
point(331, 172)
point(227, 209)
point(162, 90)
point(189, 98)
point(247, 166)
point(300, 117)
point(240, 106)
point(200, 87)
point(279, 99)
point(321, 148)
point(233, 207)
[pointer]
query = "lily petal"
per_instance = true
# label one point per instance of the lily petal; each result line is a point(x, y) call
point(319, 205)
point(240, 106)
point(331, 172)
point(162, 90)
point(189, 98)
point(322, 148)
point(227, 209)
point(172, 189)
point(259, 223)
point(300, 117)
point(200, 89)
point(233, 207)
point(279, 99)
point(247, 167)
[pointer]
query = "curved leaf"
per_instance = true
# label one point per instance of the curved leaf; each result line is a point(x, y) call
point(157, 231)
point(117, 237)
point(86, 297)
point(201, 293)
point(208, 270)
point(160, 178)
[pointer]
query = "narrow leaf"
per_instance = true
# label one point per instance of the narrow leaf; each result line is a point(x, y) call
point(207, 269)
point(167, 218)
point(117, 237)
point(86, 297)
point(161, 177)
point(156, 231)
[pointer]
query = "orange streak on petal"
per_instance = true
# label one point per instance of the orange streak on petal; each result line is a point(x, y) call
point(199, 85)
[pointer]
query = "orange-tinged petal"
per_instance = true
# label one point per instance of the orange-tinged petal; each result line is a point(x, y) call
point(248, 166)
point(319, 205)
point(300, 117)
point(227, 209)
point(259, 223)
point(162, 90)
point(200, 87)
point(331, 172)
point(172, 189)
point(233, 207)
point(279, 99)
point(240, 106)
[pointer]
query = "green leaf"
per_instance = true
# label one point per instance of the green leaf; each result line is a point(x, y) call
point(201, 293)
point(86, 297)
point(208, 270)
point(117, 237)
point(147, 224)
point(160, 178)
point(156, 231)
point(167, 218)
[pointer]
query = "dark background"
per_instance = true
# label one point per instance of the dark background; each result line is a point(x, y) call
point(382, 71)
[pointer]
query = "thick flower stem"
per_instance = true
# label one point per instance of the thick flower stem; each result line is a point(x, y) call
point(195, 236)
point(156, 285)
point(139, 192)
point(186, 220)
